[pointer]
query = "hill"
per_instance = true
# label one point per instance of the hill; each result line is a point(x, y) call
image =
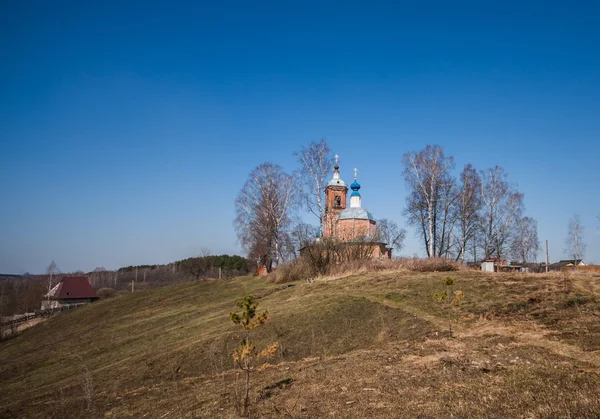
point(366, 345)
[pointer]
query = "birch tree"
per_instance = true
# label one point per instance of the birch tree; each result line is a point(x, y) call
point(427, 175)
point(263, 213)
point(526, 244)
point(574, 242)
point(51, 272)
point(445, 215)
point(502, 206)
point(316, 164)
point(468, 204)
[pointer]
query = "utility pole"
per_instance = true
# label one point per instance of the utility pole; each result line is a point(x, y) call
point(220, 272)
point(132, 282)
point(546, 256)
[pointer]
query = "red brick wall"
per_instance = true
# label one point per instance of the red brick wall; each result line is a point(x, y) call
point(350, 229)
point(331, 211)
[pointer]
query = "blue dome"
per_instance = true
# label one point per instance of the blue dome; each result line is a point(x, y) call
point(356, 213)
point(355, 185)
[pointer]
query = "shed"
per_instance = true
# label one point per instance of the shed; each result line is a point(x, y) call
point(487, 266)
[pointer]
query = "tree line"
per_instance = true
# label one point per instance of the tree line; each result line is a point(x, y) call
point(472, 214)
point(477, 213)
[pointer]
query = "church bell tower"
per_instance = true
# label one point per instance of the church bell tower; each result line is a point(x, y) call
point(335, 200)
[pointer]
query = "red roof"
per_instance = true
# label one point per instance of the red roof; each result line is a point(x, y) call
point(73, 287)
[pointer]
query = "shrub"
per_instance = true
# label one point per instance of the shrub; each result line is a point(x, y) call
point(295, 270)
point(430, 265)
point(331, 257)
point(452, 299)
point(105, 293)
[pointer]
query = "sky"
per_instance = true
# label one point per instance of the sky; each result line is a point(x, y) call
point(128, 128)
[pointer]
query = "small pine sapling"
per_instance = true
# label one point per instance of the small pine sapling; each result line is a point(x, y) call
point(245, 356)
point(449, 297)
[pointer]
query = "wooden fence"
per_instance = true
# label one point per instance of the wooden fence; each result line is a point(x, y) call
point(12, 322)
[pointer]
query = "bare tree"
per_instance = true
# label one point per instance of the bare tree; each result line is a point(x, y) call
point(445, 215)
point(389, 233)
point(302, 235)
point(51, 271)
point(468, 204)
point(263, 212)
point(526, 244)
point(502, 206)
point(316, 162)
point(574, 242)
point(205, 261)
point(427, 174)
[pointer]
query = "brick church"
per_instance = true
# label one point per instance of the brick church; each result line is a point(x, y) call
point(349, 223)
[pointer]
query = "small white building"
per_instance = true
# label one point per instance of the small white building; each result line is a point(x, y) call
point(487, 266)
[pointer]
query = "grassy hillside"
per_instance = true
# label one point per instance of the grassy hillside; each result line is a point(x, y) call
point(373, 344)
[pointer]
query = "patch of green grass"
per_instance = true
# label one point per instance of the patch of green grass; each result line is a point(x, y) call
point(394, 296)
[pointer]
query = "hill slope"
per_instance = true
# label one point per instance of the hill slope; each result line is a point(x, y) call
point(374, 344)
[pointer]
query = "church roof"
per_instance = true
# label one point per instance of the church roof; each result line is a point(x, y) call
point(337, 182)
point(356, 213)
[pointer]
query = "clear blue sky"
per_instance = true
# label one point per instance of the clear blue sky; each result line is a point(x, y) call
point(126, 131)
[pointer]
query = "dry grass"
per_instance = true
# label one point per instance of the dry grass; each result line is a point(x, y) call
point(300, 269)
point(296, 270)
point(371, 344)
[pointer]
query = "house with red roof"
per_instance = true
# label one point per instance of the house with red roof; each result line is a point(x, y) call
point(70, 290)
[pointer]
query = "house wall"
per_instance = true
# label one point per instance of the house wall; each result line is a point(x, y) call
point(380, 252)
point(52, 304)
point(49, 304)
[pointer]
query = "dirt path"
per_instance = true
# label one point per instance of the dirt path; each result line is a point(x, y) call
point(22, 326)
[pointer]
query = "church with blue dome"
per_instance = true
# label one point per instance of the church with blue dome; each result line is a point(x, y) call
point(349, 223)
